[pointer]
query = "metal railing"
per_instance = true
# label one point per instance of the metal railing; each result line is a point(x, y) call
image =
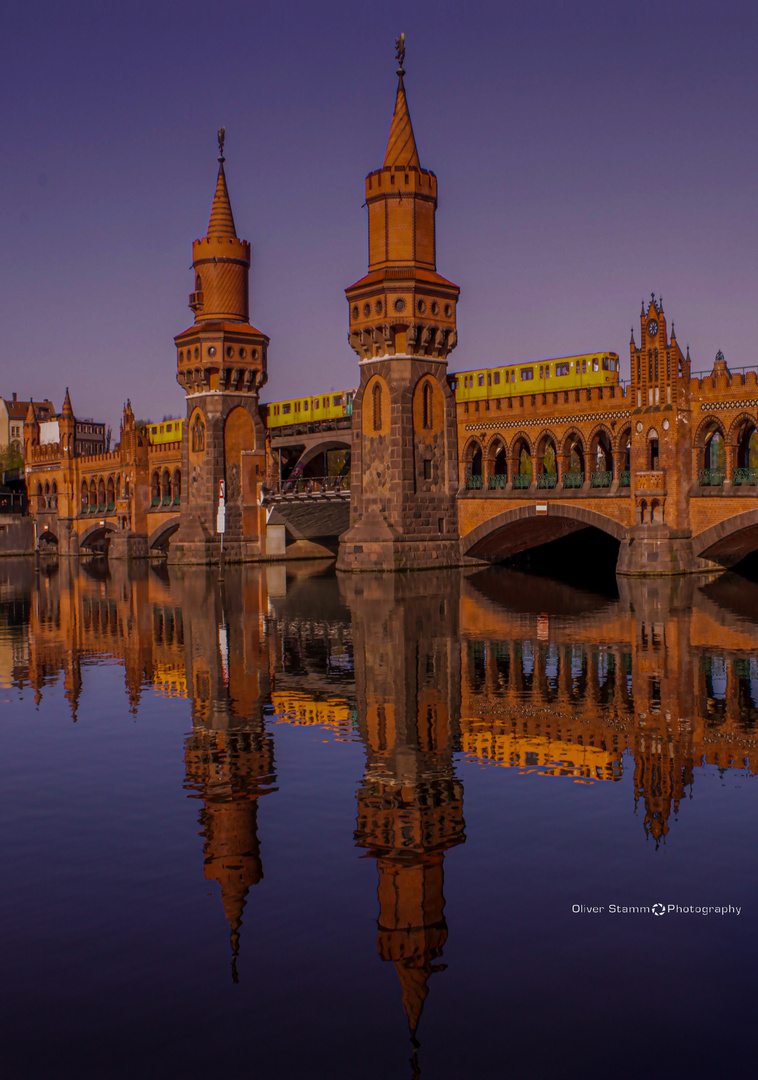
point(547, 479)
point(601, 478)
point(712, 477)
point(312, 485)
point(573, 479)
point(625, 478)
point(498, 481)
point(522, 480)
point(745, 476)
point(12, 502)
point(474, 483)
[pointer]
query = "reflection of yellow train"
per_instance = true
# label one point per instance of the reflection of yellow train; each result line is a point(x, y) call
point(294, 707)
point(537, 753)
point(538, 377)
point(167, 431)
point(310, 410)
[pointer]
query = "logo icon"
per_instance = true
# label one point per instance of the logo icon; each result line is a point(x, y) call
point(659, 909)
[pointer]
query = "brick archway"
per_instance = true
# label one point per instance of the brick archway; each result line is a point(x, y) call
point(520, 529)
point(728, 541)
point(159, 538)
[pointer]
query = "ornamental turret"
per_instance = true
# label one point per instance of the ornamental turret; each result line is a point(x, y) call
point(402, 306)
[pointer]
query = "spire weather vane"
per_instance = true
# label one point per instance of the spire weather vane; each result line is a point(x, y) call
point(221, 137)
point(400, 52)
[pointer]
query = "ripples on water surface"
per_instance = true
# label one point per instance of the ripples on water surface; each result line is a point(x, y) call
point(282, 824)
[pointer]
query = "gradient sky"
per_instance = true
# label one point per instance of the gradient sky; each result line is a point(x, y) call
point(587, 153)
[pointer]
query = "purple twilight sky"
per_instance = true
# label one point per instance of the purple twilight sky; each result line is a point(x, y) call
point(587, 154)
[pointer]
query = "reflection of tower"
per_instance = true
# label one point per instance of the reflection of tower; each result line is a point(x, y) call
point(663, 684)
point(402, 326)
point(410, 806)
point(230, 755)
point(221, 364)
point(229, 770)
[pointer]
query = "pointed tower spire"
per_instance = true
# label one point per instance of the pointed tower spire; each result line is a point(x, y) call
point(67, 409)
point(401, 145)
point(221, 222)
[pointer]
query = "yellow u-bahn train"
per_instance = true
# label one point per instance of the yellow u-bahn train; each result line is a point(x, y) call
point(310, 410)
point(537, 377)
point(168, 431)
point(511, 380)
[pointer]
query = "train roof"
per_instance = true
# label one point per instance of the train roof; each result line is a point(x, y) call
point(539, 360)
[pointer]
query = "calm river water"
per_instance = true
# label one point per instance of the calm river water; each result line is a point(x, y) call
point(294, 824)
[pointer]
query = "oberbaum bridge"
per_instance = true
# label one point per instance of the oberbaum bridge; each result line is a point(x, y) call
point(439, 469)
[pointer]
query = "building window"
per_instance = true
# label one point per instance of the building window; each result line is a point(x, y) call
point(427, 469)
point(426, 397)
point(377, 403)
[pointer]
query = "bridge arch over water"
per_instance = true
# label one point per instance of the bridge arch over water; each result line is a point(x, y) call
point(160, 537)
point(518, 530)
point(96, 533)
point(729, 541)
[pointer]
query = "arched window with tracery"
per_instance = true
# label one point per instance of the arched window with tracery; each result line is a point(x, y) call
point(198, 434)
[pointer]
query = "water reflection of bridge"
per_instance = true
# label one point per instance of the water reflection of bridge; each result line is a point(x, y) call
point(502, 669)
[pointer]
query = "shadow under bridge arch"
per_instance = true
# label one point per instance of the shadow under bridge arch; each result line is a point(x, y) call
point(514, 531)
point(729, 541)
point(160, 538)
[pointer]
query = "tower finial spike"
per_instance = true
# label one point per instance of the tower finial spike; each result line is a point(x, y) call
point(400, 54)
point(221, 137)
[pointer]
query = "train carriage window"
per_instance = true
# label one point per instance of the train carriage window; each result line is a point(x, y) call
point(489, 379)
point(607, 364)
point(497, 378)
point(595, 365)
point(337, 399)
point(584, 366)
point(480, 379)
point(527, 373)
point(286, 408)
point(305, 406)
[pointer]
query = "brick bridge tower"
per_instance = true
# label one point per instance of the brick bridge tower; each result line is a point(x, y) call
point(661, 451)
point(221, 365)
point(402, 326)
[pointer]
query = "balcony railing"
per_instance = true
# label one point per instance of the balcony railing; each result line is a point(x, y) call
point(625, 478)
point(745, 476)
point(712, 477)
point(313, 485)
point(601, 478)
point(547, 479)
point(498, 481)
point(474, 483)
point(12, 502)
point(522, 480)
point(573, 479)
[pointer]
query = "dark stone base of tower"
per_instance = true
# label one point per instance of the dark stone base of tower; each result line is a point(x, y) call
point(405, 469)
